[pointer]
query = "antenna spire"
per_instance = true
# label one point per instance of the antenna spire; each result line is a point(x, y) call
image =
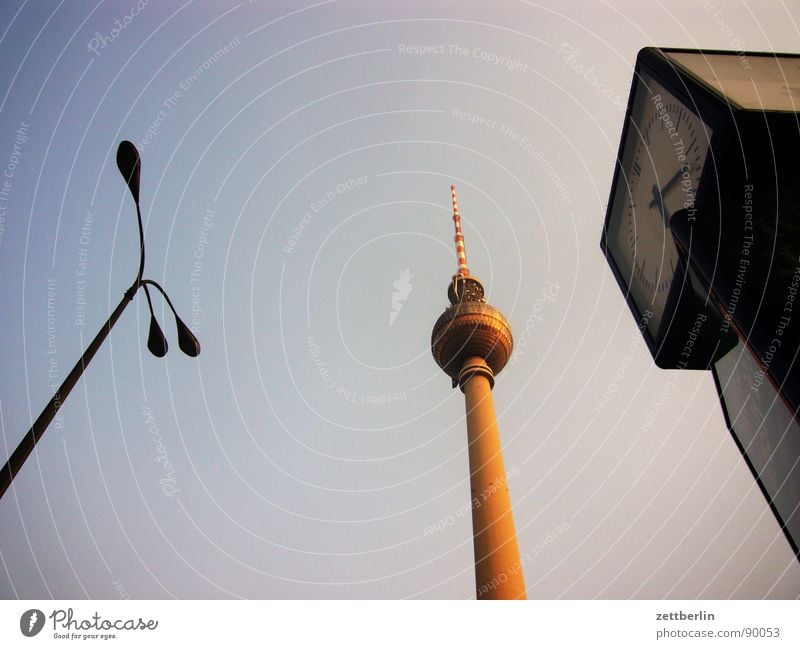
point(461, 253)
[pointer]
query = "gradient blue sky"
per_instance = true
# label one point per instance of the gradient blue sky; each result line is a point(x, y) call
point(314, 449)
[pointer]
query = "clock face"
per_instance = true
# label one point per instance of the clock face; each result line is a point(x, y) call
point(664, 151)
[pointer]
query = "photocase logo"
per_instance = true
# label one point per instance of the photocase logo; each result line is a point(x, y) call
point(31, 622)
point(402, 290)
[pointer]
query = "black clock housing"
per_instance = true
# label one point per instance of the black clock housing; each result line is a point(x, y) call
point(740, 122)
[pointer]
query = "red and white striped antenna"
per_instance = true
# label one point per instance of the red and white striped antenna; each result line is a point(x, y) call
point(461, 253)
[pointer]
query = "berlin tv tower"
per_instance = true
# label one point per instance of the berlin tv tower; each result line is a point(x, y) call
point(471, 342)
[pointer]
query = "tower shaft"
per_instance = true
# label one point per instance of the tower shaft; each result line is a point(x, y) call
point(498, 571)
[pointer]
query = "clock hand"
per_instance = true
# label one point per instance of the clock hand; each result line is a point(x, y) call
point(658, 200)
point(672, 181)
point(667, 187)
point(658, 196)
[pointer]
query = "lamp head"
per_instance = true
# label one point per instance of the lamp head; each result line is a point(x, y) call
point(186, 339)
point(156, 340)
point(129, 165)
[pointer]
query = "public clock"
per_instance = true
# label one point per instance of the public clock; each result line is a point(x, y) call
point(663, 164)
point(702, 233)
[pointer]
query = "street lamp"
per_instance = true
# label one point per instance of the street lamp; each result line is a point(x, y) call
point(129, 165)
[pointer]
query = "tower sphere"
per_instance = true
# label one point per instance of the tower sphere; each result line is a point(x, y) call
point(470, 327)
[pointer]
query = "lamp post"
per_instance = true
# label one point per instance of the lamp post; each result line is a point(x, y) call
point(129, 165)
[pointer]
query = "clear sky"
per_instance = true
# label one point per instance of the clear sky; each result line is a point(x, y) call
point(296, 164)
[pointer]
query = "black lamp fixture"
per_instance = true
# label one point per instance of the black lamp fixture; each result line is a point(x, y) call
point(129, 164)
